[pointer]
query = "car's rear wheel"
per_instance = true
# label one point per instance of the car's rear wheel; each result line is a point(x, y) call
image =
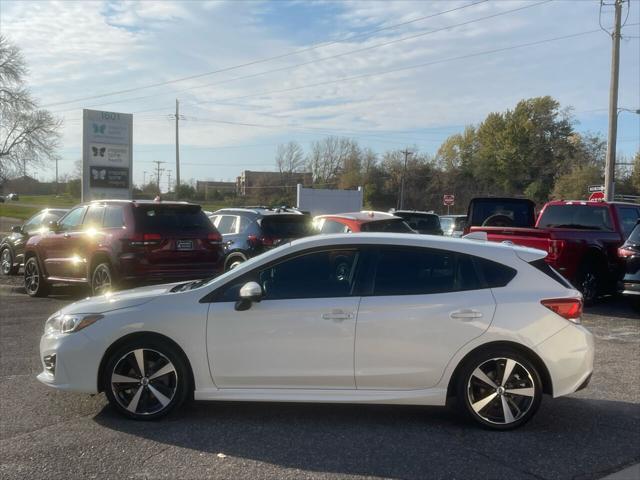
point(146, 379)
point(34, 282)
point(233, 261)
point(588, 282)
point(6, 262)
point(499, 389)
point(102, 279)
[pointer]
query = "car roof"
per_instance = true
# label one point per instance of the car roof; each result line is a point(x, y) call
point(260, 211)
point(592, 203)
point(414, 212)
point(363, 216)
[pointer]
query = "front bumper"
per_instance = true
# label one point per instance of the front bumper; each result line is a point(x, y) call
point(568, 356)
point(77, 359)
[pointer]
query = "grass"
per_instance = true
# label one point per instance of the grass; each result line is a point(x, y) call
point(18, 211)
point(50, 201)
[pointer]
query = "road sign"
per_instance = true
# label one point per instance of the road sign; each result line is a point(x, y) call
point(107, 138)
point(596, 196)
point(449, 200)
point(596, 188)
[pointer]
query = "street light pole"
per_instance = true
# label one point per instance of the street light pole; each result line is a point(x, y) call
point(177, 192)
point(610, 165)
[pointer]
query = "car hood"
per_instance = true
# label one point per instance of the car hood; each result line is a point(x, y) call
point(118, 300)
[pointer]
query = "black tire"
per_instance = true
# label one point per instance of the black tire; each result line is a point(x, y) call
point(588, 282)
point(489, 406)
point(34, 282)
point(102, 279)
point(7, 265)
point(171, 389)
point(233, 260)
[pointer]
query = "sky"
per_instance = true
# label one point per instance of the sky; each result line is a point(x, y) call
point(253, 74)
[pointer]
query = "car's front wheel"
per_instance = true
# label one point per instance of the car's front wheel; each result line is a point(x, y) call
point(34, 281)
point(146, 379)
point(500, 389)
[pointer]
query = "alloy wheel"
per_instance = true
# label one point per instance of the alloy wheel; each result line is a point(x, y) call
point(6, 261)
point(31, 277)
point(144, 381)
point(501, 391)
point(589, 286)
point(101, 279)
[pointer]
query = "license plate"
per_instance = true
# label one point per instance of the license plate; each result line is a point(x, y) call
point(184, 245)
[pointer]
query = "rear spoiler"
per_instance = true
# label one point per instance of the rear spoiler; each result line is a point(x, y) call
point(480, 236)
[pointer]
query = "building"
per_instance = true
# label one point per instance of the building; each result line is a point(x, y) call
point(206, 188)
point(248, 182)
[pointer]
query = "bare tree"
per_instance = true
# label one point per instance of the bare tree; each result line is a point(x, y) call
point(329, 157)
point(28, 135)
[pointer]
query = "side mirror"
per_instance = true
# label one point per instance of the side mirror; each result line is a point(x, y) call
point(16, 229)
point(53, 226)
point(249, 293)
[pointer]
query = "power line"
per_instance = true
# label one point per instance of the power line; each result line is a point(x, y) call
point(267, 59)
point(322, 59)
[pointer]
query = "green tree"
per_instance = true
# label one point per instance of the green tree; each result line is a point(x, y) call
point(574, 184)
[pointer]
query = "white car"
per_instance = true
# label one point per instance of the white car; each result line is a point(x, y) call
point(356, 318)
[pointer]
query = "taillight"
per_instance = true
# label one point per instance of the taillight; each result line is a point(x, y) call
point(214, 238)
point(555, 249)
point(268, 241)
point(145, 239)
point(569, 308)
point(253, 240)
point(626, 252)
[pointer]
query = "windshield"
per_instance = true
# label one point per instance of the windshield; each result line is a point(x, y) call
point(395, 225)
point(584, 217)
point(170, 218)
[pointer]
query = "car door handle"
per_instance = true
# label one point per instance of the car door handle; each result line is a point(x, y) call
point(466, 314)
point(337, 315)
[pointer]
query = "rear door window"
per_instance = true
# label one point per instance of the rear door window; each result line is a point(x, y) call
point(421, 271)
point(93, 218)
point(228, 224)
point(331, 226)
point(583, 217)
point(113, 217)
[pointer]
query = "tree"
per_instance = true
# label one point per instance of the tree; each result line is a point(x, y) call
point(574, 185)
point(328, 158)
point(28, 134)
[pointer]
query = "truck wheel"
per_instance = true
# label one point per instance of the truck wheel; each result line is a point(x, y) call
point(588, 282)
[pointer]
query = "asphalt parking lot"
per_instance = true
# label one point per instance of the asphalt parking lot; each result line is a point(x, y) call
point(49, 434)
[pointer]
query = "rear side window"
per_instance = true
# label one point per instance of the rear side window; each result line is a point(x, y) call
point(389, 226)
point(331, 226)
point(585, 217)
point(634, 238)
point(495, 274)
point(502, 213)
point(548, 270)
point(286, 226)
point(113, 217)
point(422, 222)
point(227, 224)
point(421, 271)
point(171, 219)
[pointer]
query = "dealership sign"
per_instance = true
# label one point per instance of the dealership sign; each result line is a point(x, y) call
point(596, 188)
point(449, 200)
point(107, 138)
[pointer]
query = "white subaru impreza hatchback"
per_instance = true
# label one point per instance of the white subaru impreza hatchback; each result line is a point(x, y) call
point(359, 318)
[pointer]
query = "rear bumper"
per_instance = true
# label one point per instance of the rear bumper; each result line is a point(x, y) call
point(137, 268)
point(568, 356)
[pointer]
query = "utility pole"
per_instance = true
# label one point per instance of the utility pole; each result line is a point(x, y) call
point(158, 173)
point(169, 181)
point(404, 172)
point(610, 165)
point(57, 175)
point(177, 194)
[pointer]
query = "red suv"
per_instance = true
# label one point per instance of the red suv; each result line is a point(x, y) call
point(113, 243)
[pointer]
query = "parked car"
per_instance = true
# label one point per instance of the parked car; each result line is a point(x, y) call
point(366, 221)
point(282, 327)
point(581, 237)
point(453, 225)
point(112, 243)
point(629, 286)
point(1, 199)
point(422, 222)
point(13, 196)
point(250, 231)
point(12, 246)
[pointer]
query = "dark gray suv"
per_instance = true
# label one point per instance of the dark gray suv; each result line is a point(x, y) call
point(249, 231)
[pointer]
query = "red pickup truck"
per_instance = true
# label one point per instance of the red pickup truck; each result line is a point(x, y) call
point(581, 237)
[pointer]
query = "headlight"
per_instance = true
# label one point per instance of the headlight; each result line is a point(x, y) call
point(69, 323)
